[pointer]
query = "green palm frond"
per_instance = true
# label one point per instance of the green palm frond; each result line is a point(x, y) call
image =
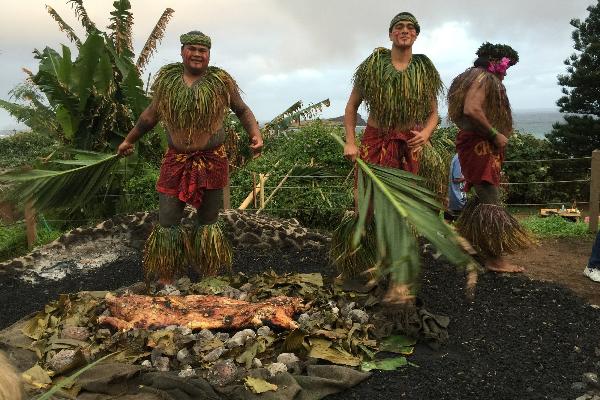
point(402, 207)
point(73, 187)
point(63, 26)
point(273, 125)
point(155, 37)
point(82, 15)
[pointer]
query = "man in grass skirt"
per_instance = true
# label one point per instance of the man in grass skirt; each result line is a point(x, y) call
point(479, 106)
point(400, 90)
point(191, 99)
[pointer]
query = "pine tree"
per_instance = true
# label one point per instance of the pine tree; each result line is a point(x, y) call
point(579, 135)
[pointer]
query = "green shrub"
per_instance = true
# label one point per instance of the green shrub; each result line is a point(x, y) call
point(315, 202)
point(13, 239)
point(555, 227)
point(24, 147)
point(139, 192)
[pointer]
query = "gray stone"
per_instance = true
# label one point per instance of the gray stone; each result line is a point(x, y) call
point(146, 363)
point(222, 373)
point(75, 332)
point(359, 316)
point(347, 308)
point(591, 379)
point(264, 331)
point(162, 364)
point(204, 334)
point(222, 336)
point(276, 368)
point(66, 360)
point(187, 372)
point(579, 386)
point(256, 363)
point(183, 355)
point(287, 358)
point(240, 338)
point(291, 361)
point(214, 355)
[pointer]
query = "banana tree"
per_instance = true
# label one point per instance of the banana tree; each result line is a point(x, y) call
point(94, 99)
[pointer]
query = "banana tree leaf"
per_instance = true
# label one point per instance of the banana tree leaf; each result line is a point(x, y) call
point(389, 364)
point(85, 67)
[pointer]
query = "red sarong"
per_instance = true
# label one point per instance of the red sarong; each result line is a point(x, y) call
point(480, 160)
point(187, 175)
point(388, 148)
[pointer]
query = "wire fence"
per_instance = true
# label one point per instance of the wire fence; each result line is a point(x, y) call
point(320, 187)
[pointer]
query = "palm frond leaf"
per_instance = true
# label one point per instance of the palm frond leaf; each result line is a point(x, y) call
point(155, 37)
point(121, 21)
point(401, 208)
point(75, 187)
point(82, 15)
point(63, 26)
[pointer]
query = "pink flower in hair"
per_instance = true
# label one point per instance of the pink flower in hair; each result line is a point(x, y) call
point(499, 67)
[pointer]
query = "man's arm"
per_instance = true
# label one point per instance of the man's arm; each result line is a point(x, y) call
point(350, 114)
point(147, 120)
point(246, 117)
point(421, 137)
point(473, 109)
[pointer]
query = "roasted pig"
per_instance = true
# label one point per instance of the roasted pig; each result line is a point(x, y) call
point(199, 312)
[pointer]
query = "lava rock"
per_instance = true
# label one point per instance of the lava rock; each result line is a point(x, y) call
point(66, 360)
point(223, 373)
point(75, 332)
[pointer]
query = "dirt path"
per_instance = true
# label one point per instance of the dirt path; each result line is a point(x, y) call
point(561, 261)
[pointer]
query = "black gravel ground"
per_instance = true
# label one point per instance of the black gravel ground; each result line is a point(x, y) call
point(519, 339)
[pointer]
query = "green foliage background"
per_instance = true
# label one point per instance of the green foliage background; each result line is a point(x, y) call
point(320, 202)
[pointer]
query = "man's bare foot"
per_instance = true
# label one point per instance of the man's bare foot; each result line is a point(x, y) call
point(471, 284)
point(500, 265)
point(398, 294)
point(162, 282)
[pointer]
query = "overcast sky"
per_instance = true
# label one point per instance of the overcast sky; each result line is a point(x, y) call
point(281, 51)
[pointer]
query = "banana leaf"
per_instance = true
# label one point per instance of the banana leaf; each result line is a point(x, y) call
point(71, 188)
point(402, 208)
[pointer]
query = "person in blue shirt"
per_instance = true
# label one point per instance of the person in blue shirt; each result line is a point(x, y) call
point(457, 198)
point(592, 270)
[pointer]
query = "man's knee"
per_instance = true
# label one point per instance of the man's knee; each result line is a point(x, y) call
point(212, 202)
point(487, 193)
point(170, 210)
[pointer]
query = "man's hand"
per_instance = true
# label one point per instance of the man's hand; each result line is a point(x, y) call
point(256, 144)
point(500, 140)
point(351, 151)
point(125, 148)
point(419, 139)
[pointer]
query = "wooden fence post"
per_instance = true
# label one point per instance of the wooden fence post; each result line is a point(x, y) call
point(595, 191)
point(31, 223)
point(227, 197)
point(262, 180)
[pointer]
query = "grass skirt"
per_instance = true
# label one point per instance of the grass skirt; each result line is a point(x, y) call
point(208, 250)
point(351, 261)
point(491, 229)
point(164, 253)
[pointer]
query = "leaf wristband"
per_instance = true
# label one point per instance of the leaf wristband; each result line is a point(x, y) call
point(493, 132)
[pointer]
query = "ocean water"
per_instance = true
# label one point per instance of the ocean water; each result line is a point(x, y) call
point(536, 122)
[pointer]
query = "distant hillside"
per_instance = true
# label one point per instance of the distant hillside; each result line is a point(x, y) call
point(340, 120)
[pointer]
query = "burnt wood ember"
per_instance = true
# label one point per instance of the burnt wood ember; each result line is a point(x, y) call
point(199, 312)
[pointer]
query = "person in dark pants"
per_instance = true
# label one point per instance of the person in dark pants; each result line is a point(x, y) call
point(592, 270)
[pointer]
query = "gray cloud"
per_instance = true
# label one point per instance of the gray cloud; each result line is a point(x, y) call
point(281, 51)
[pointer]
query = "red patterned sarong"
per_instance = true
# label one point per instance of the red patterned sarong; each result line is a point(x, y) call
point(187, 175)
point(480, 160)
point(388, 148)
